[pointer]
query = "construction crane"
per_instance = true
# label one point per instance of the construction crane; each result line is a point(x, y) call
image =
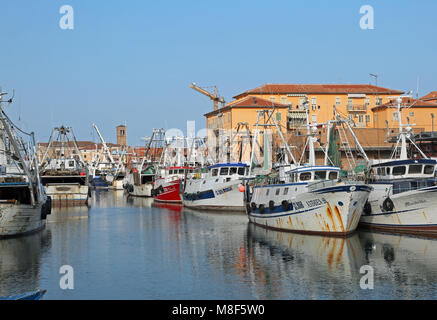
point(216, 99)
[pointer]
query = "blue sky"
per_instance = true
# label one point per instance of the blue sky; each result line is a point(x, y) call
point(133, 61)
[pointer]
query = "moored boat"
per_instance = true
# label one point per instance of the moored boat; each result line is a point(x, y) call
point(168, 186)
point(219, 189)
point(64, 173)
point(403, 199)
point(24, 205)
point(314, 201)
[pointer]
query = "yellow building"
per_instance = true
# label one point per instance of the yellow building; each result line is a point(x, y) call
point(351, 100)
point(417, 112)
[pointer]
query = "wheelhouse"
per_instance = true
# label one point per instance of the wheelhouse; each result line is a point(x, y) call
point(404, 169)
point(314, 173)
point(178, 171)
point(228, 170)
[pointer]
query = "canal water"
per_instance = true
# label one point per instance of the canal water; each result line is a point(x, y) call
point(129, 248)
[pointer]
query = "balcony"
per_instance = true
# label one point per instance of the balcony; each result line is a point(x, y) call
point(357, 108)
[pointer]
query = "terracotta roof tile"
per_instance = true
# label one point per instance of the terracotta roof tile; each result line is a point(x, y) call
point(407, 101)
point(430, 96)
point(318, 88)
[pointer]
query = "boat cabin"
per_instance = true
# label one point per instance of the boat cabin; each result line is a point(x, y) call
point(314, 173)
point(228, 171)
point(404, 169)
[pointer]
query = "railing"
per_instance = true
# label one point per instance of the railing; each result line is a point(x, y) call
point(357, 107)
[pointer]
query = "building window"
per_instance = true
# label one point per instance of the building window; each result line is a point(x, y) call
point(411, 114)
point(378, 101)
point(367, 117)
point(284, 100)
point(337, 101)
point(272, 99)
point(278, 116)
point(314, 118)
point(360, 118)
point(350, 102)
point(395, 116)
point(367, 102)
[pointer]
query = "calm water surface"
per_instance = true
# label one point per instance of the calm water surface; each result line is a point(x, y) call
point(124, 248)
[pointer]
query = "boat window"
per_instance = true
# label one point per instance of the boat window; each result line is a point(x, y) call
point(333, 175)
point(428, 169)
point(399, 170)
point(71, 164)
point(381, 171)
point(414, 168)
point(320, 175)
point(267, 192)
point(241, 171)
point(214, 172)
point(170, 171)
point(224, 171)
point(305, 176)
point(285, 191)
point(387, 170)
point(277, 191)
point(232, 171)
point(181, 171)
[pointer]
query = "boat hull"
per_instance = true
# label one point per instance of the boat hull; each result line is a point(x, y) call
point(68, 194)
point(335, 211)
point(168, 191)
point(413, 211)
point(117, 185)
point(20, 219)
point(221, 197)
point(143, 190)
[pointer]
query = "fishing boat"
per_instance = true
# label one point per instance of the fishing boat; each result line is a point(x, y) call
point(311, 199)
point(34, 295)
point(65, 175)
point(169, 185)
point(140, 182)
point(404, 188)
point(221, 188)
point(24, 205)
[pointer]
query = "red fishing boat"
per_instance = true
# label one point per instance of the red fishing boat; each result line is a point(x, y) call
point(168, 186)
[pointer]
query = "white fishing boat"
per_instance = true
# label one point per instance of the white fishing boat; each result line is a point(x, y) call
point(311, 199)
point(24, 205)
point(65, 175)
point(219, 189)
point(404, 189)
point(139, 182)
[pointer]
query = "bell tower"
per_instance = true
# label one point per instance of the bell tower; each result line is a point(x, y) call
point(121, 135)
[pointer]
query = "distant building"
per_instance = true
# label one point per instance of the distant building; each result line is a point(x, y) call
point(121, 135)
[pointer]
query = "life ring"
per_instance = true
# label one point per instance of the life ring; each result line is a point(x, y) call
point(388, 205)
point(261, 208)
point(271, 205)
point(285, 204)
point(367, 208)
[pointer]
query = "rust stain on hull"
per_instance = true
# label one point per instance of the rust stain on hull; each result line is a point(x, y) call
point(337, 212)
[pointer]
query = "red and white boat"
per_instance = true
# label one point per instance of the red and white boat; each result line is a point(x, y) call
point(168, 187)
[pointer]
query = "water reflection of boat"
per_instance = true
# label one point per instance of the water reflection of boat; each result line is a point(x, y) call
point(20, 263)
point(140, 202)
point(324, 253)
point(175, 207)
point(409, 263)
point(68, 213)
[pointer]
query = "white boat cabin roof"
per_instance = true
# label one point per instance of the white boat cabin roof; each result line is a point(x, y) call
point(404, 169)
